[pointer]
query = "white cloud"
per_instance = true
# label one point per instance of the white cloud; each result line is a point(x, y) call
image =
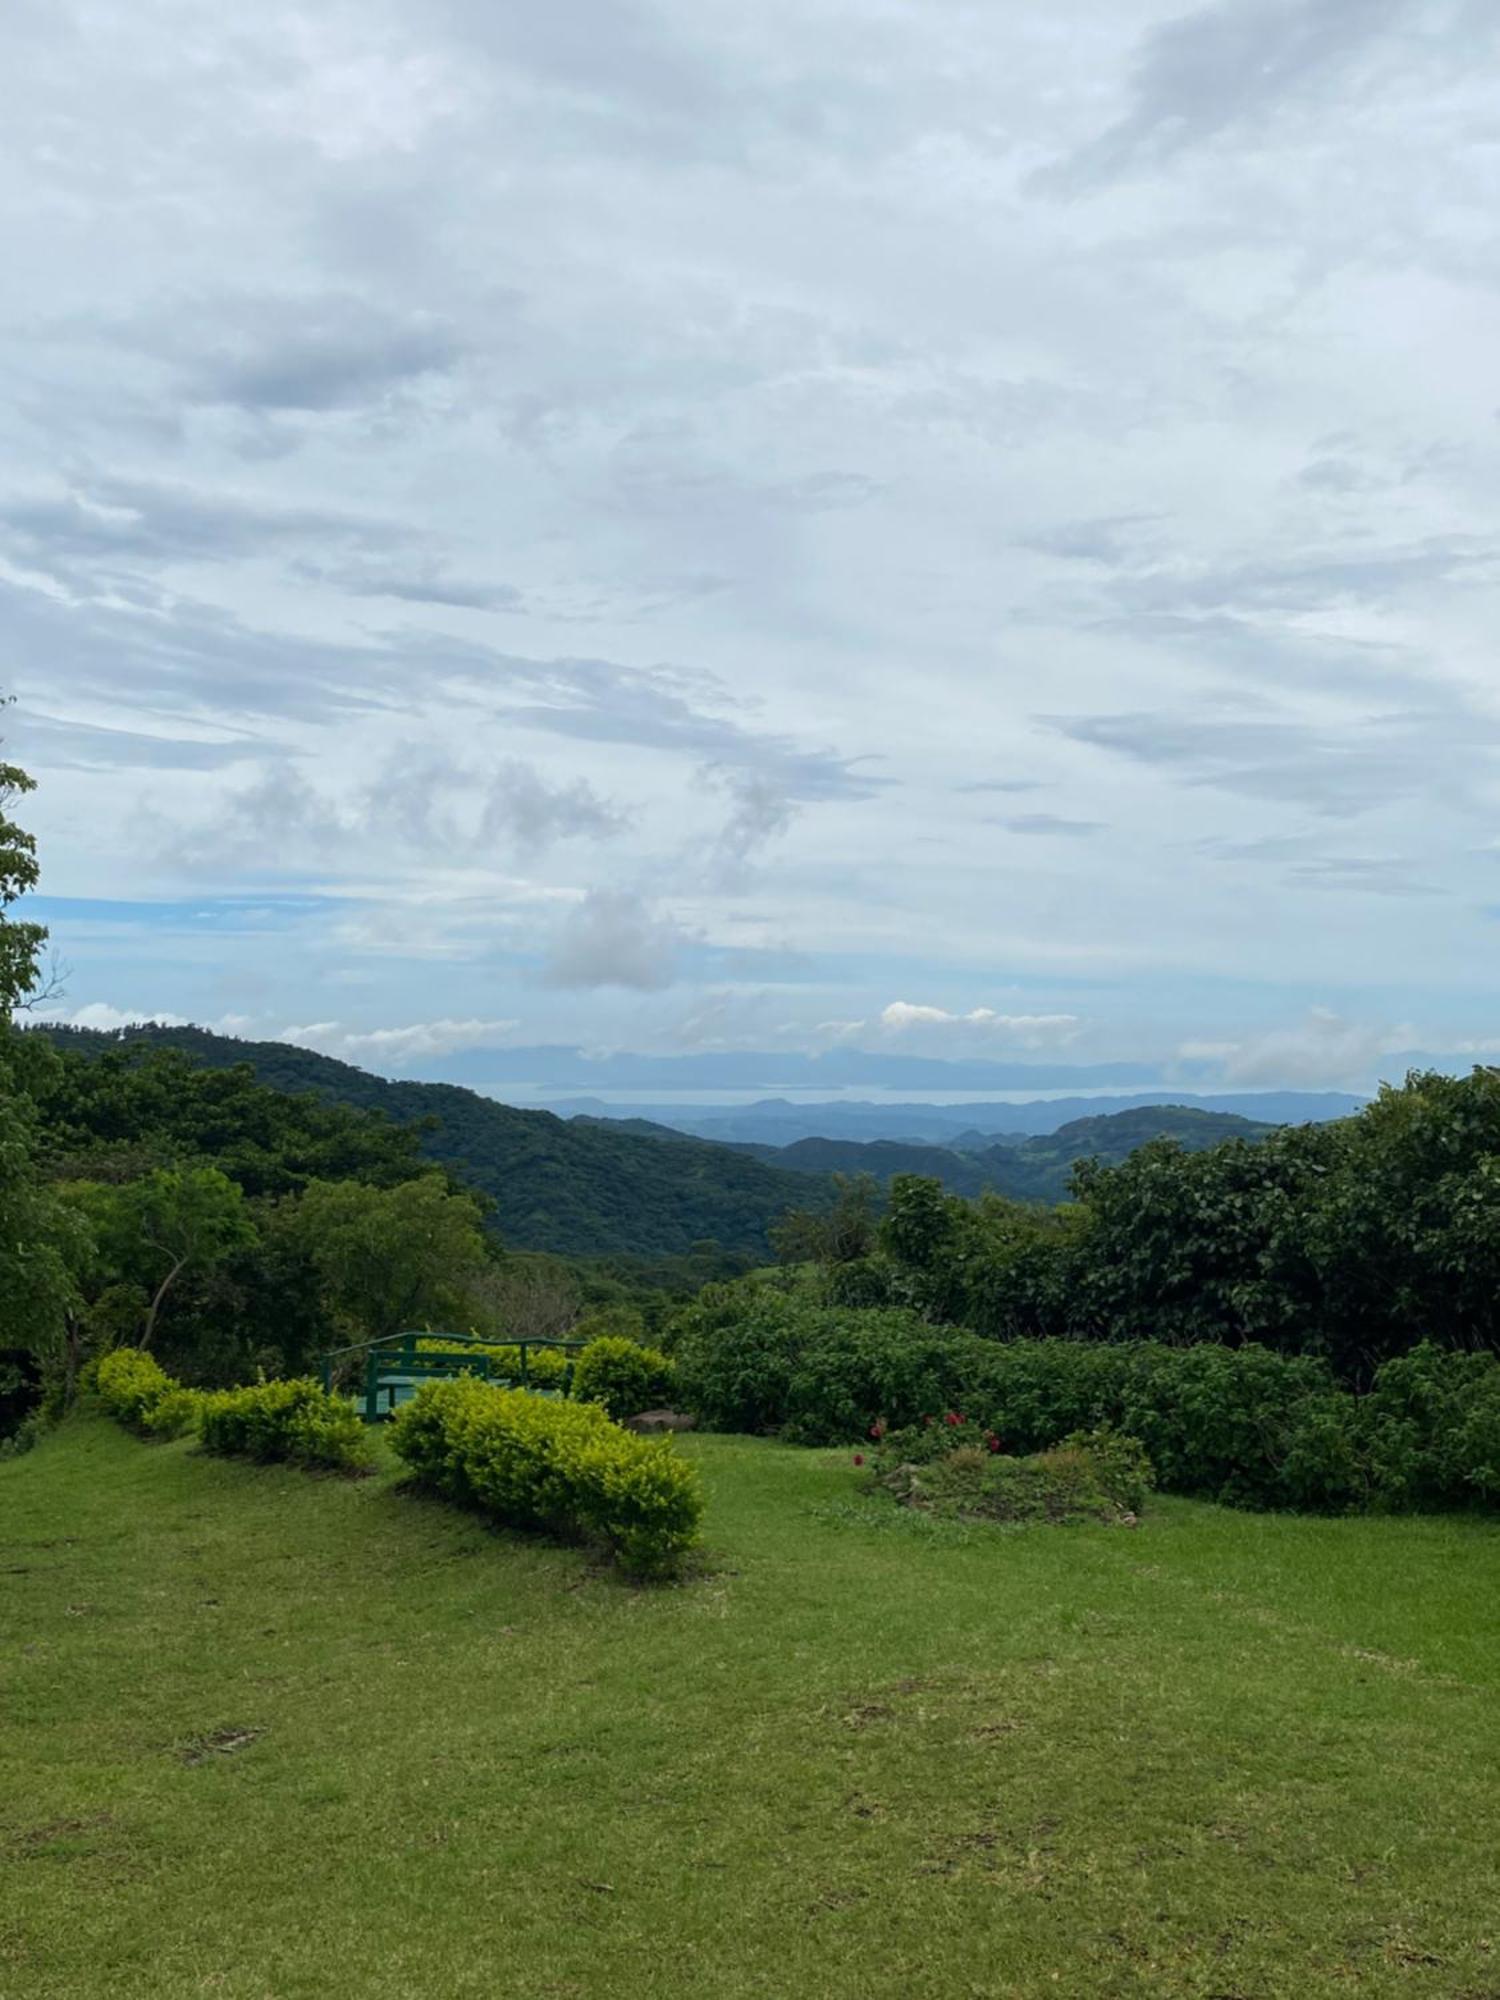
point(100, 1014)
point(1323, 1051)
point(1027, 1031)
point(396, 1048)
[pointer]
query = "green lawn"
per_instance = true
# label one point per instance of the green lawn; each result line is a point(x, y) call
point(268, 1735)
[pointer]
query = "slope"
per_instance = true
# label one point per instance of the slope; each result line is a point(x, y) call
point(578, 1189)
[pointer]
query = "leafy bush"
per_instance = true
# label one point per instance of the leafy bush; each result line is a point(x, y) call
point(297, 1421)
point(623, 1376)
point(564, 1468)
point(1241, 1425)
point(1432, 1429)
point(131, 1384)
point(176, 1412)
point(1093, 1475)
point(546, 1367)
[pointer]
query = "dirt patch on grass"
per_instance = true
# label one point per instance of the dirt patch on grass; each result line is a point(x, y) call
point(224, 1742)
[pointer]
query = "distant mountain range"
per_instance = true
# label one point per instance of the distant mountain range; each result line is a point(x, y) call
point(780, 1121)
point(1033, 1168)
point(591, 1185)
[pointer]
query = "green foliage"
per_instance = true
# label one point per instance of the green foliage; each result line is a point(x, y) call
point(623, 1377)
point(168, 1223)
point(1090, 1476)
point(574, 1187)
point(177, 1411)
point(1432, 1426)
point(563, 1468)
point(1338, 1241)
point(390, 1258)
point(20, 943)
point(838, 1235)
point(296, 1421)
point(115, 1109)
point(131, 1384)
point(1242, 1425)
point(546, 1367)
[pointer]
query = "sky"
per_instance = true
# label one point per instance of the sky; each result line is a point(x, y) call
point(898, 528)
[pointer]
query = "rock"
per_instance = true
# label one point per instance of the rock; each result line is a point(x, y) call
point(661, 1420)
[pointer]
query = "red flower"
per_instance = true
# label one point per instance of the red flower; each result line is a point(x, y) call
point(992, 1441)
point(859, 1458)
point(953, 1418)
point(877, 1429)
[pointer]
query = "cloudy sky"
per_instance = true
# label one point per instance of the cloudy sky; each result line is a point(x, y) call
point(917, 526)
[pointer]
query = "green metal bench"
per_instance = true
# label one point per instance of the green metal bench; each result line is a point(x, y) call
point(396, 1366)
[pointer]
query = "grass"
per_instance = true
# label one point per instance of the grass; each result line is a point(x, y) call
point(266, 1736)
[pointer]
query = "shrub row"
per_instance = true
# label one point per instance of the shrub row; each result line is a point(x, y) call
point(130, 1385)
point(296, 1421)
point(1242, 1425)
point(564, 1468)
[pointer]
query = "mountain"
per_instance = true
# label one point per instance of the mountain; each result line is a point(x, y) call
point(969, 1126)
point(579, 1188)
point(1034, 1169)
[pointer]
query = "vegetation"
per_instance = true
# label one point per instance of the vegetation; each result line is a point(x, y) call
point(1242, 1425)
point(563, 1468)
point(623, 1377)
point(296, 1421)
point(1348, 1241)
point(570, 1187)
point(1032, 1169)
point(1090, 1476)
point(265, 1734)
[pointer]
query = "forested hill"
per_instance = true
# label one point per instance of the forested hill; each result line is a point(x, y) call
point(580, 1189)
point(1035, 1169)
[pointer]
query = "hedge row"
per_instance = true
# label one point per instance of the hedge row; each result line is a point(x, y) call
point(1242, 1425)
point(564, 1468)
point(297, 1421)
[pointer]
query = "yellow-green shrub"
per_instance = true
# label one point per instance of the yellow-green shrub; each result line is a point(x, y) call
point(622, 1375)
point(297, 1421)
point(131, 1384)
point(176, 1411)
point(562, 1467)
point(546, 1367)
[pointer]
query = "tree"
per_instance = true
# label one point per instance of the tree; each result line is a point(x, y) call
point(391, 1258)
point(20, 944)
point(35, 1284)
point(170, 1222)
point(839, 1235)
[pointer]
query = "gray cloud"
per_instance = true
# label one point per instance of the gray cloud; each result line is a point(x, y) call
point(290, 354)
point(523, 808)
point(106, 520)
point(1222, 67)
point(664, 708)
point(1049, 823)
point(1340, 772)
point(614, 937)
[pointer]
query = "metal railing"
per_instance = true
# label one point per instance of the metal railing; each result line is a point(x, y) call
point(396, 1361)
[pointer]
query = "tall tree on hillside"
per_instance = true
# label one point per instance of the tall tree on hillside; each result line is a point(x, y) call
point(167, 1223)
point(35, 1286)
point(392, 1258)
point(20, 943)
